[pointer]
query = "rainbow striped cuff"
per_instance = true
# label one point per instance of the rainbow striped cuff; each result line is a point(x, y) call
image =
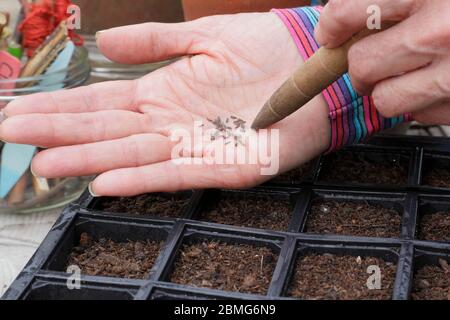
point(353, 118)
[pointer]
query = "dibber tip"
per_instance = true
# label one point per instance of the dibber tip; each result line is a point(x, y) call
point(264, 119)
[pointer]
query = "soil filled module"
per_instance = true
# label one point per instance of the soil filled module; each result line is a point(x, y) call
point(157, 205)
point(335, 277)
point(131, 259)
point(432, 282)
point(249, 210)
point(353, 218)
point(365, 168)
point(229, 267)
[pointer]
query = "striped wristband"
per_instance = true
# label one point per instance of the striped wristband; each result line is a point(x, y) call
point(353, 118)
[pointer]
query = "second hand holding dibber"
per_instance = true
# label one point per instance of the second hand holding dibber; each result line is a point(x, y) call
point(318, 72)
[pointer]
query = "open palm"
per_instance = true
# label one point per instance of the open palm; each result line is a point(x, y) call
point(121, 130)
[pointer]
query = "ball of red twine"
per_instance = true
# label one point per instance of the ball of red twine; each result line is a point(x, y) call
point(42, 19)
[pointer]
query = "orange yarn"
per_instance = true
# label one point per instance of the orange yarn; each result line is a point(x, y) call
point(41, 20)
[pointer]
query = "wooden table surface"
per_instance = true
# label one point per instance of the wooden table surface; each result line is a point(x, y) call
point(20, 236)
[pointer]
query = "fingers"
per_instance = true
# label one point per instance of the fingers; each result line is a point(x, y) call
point(169, 176)
point(95, 158)
point(384, 55)
point(410, 92)
point(50, 130)
point(341, 19)
point(150, 42)
point(95, 97)
point(311, 124)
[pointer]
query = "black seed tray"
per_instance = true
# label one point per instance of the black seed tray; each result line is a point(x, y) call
point(410, 196)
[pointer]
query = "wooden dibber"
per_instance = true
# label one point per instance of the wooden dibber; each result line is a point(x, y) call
point(315, 75)
point(4, 21)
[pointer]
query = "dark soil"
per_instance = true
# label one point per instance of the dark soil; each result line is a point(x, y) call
point(167, 205)
point(359, 168)
point(132, 259)
point(353, 218)
point(247, 210)
point(435, 227)
point(438, 177)
point(333, 277)
point(229, 267)
point(296, 175)
point(432, 282)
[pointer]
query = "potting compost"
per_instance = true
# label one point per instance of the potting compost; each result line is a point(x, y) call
point(312, 233)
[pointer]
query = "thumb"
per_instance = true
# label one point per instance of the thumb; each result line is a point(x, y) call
point(152, 42)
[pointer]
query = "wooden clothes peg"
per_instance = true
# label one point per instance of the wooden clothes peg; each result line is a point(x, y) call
point(17, 194)
point(4, 21)
point(45, 54)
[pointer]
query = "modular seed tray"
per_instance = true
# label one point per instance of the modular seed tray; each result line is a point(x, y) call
point(270, 244)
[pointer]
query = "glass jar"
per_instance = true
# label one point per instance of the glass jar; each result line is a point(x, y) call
point(76, 74)
point(57, 192)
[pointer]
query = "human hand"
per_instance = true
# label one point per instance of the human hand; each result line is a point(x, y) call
point(121, 130)
point(405, 67)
